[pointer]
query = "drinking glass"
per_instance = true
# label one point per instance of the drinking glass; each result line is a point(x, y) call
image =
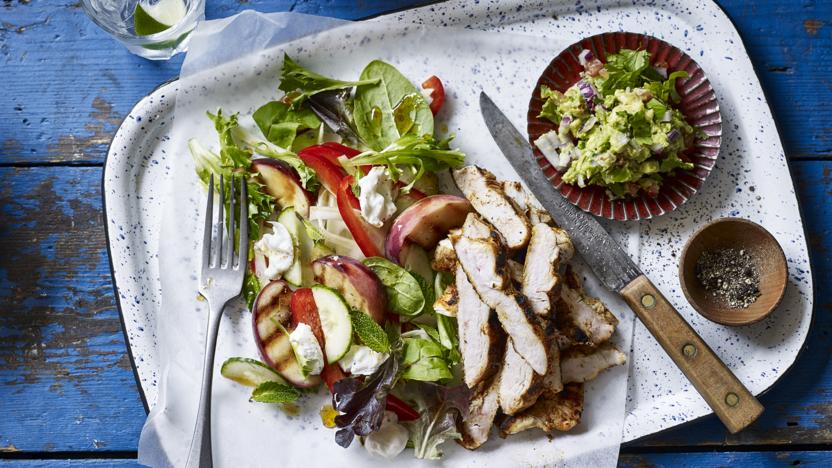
point(119, 19)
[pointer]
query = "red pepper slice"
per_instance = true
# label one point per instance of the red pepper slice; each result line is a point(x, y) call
point(369, 238)
point(330, 173)
point(331, 374)
point(304, 310)
point(437, 93)
point(341, 149)
point(402, 409)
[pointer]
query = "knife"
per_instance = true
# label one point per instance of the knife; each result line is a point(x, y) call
point(735, 406)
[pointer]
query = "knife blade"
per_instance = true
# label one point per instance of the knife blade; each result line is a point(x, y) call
point(725, 394)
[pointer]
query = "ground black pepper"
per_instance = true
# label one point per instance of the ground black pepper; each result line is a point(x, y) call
point(731, 275)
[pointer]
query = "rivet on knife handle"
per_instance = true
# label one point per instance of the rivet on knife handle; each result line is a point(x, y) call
point(735, 406)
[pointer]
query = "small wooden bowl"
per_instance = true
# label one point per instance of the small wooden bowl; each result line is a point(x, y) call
point(735, 233)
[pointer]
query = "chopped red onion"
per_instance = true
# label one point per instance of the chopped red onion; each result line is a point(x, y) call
point(662, 71)
point(588, 92)
point(673, 135)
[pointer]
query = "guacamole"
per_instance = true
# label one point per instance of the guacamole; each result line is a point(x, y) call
point(616, 127)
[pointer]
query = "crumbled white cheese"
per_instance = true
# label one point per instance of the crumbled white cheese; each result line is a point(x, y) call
point(389, 440)
point(278, 248)
point(361, 360)
point(554, 149)
point(376, 196)
point(307, 349)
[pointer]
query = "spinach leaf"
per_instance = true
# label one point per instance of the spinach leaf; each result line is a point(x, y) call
point(403, 291)
point(390, 108)
point(281, 123)
point(302, 83)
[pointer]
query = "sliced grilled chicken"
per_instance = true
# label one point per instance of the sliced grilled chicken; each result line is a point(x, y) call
point(519, 384)
point(484, 264)
point(481, 188)
point(582, 319)
point(515, 271)
point(444, 258)
point(448, 302)
point(581, 364)
point(525, 202)
point(548, 247)
point(481, 412)
point(481, 340)
point(552, 412)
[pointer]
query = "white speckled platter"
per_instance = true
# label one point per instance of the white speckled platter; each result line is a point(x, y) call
point(751, 180)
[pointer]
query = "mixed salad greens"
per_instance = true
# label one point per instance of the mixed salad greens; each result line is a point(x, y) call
point(340, 176)
point(617, 127)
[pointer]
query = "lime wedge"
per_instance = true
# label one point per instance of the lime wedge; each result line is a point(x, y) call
point(151, 19)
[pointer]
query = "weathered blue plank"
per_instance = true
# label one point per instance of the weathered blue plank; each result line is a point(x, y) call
point(725, 459)
point(112, 462)
point(67, 84)
point(65, 378)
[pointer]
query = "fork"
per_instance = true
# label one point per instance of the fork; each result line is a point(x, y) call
point(221, 281)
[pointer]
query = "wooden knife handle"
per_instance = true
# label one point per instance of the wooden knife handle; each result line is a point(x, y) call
point(721, 389)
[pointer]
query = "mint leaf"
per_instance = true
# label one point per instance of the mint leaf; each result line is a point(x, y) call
point(369, 332)
point(274, 392)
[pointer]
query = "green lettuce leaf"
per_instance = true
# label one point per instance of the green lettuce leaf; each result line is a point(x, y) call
point(302, 83)
point(415, 155)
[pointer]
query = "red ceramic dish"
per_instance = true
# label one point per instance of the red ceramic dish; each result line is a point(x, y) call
point(698, 104)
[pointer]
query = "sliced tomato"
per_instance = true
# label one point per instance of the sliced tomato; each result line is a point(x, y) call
point(330, 173)
point(437, 93)
point(369, 238)
point(304, 310)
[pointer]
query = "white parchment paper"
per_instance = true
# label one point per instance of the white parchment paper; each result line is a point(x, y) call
point(234, 64)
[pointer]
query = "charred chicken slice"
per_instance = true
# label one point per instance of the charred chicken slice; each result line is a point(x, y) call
point(519, 384)
point(582, 319)
point(444, 258)
point(526, 203)
point(448, 303)
point(552, 412)
point(548, 247)
point(484, 265)
point(481, 412)
point(480, 338)
point(481, 188)
point(581, 363)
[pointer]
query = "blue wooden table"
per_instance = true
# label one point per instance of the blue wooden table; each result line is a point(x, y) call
point(67, 391)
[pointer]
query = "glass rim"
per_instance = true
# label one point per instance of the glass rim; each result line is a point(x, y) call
point(197, 10)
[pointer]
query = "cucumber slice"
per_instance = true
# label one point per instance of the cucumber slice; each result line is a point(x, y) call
point(300, 273)
point(249, 372)
point(335, 322)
